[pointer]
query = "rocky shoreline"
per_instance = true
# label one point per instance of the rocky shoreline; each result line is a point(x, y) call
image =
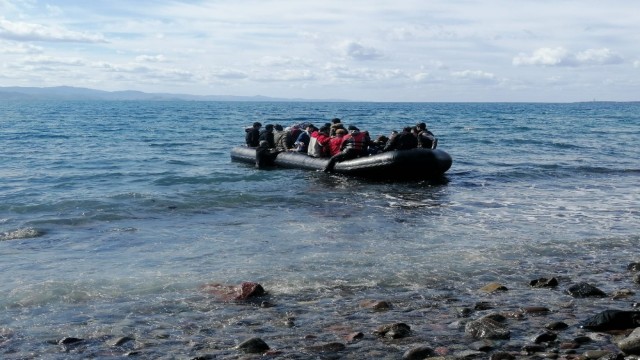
point(549, 318)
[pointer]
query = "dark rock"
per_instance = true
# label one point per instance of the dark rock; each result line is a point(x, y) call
point(613, 320)
point(596, 354)
point(502, 356)
point(464, 312)
point(496, 317)
point(376, 305)
point(582, 339)
point(354, 336)
point(535, 310)
point(483, 305)
point(544, 282)
point(329, 347)
point(532, 349)
point(636, 278)
point(493, 287)
point(418, 353)
point(544, 337)
point(631, 344)
point(393, 331)
point(569, 345)
point(486, 328)
point(249, 290)
point(634, 266)
point(582, 290)
point(253, 346)
point(557, 325)
point(622, 294)
point(69, 341)
point(266, 304)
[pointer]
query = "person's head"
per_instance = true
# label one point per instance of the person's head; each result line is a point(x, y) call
point(278, 127)
point(257, 125)
point(325, 129)
point(352, 128)
point(341, 132)
point(335, 121)
point(269, 127)
point(407, 129)
point(382, 139)
point(311, 128)
point(421, 126)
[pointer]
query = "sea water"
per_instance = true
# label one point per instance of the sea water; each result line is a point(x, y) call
point(114, 215)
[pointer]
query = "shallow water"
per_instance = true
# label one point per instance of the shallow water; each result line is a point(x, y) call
point(114, 214)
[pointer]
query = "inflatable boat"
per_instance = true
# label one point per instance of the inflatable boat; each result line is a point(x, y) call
point(416, 163)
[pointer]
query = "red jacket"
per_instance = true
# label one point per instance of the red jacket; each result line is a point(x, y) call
point(335, 145)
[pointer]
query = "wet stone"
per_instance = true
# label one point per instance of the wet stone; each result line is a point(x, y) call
point(393, 331)
point(493, 287)
point(544, 337)
point(418, 353)
point(253, 346)
point(502, 356)
point(557, 325)
point(635, 266)
point(329, 347)
point(537, 310)
point(544, 283)
point(532, 349)
point(464, 312)
point(583, 289)
point(486, 328)
point(69, 341)
point(631, 344)
point(469, 354)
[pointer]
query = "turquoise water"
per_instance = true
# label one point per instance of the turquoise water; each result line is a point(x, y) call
point(114, 214)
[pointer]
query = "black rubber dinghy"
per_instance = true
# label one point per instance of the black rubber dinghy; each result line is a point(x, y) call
point(416, 163)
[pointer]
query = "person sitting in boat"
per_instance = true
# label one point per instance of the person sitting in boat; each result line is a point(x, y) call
point(376, 146)
point(335, 144)
point(335, 125)
point(252, 137)
point(353, 145)
point(302, 142)
point(426, 139)
point(319, 142)
point(267, 135)
point(280, 137)
point(404, 140)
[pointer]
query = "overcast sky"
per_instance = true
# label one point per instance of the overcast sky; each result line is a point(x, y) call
point(374, 50)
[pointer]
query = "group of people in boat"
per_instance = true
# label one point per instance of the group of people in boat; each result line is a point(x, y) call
point(332, 140)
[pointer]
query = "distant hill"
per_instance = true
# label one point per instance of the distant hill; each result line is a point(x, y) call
point(76, 93)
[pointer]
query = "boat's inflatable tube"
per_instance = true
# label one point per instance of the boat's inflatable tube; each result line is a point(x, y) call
point(416, 163)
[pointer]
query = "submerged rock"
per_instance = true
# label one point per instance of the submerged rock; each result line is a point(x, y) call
point(635, 266)
point(418, 353)
point(486, 328)
point(544, 282)
point(583, 289)
point(393, 331)
point(253, 346)
point(244, 291)
point(613, 320)
point(493, 287)
point(329, 347)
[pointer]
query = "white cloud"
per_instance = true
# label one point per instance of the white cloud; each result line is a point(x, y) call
point(230, 74)
point(598, 57)
point(357, 51)
point(475, 76)
point(544, 57)
point(636, 64)
point(50, 60)
point(22, 31)
point(20, 48)
point(559, 56)
point(151, 58)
